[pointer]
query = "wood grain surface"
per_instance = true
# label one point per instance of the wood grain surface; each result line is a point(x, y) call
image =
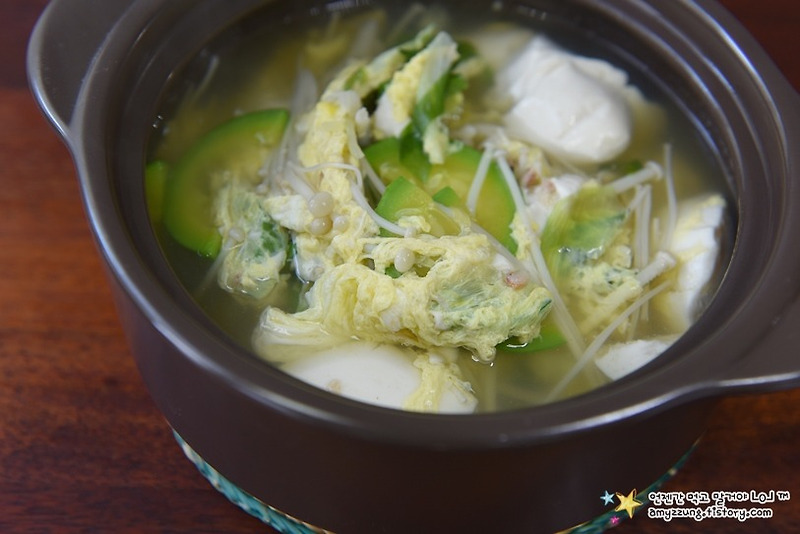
point(82, 447)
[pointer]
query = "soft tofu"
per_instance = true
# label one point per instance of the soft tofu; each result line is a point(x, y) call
point(695, 244)
point(620, 359)
point(571, 106)
point(385, 375)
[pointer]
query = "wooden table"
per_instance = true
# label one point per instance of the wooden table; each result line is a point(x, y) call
point(82, 447)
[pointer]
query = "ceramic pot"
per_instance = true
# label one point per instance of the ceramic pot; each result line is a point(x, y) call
point(99, 71)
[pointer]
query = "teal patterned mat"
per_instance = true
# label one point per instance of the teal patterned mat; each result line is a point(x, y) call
point(289, 525)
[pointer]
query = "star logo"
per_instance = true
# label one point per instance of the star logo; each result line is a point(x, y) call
point(608, 498)
point(627, 503)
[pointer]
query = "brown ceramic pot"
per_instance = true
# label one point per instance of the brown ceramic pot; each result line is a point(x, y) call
point(99, 70)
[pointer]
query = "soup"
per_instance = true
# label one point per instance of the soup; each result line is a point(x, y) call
point(435, 213)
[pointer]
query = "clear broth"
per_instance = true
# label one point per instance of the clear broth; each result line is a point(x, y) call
point(254, 67)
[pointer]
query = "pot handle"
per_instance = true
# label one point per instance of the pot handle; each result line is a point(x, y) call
point(775, 363)
point(65, 41)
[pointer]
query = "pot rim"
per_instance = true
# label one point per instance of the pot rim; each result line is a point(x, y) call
point(656, 387)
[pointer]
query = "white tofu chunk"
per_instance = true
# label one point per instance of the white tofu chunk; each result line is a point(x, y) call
point(695, 244)
point(571, 106)
point(383, 375)
point(620, 359)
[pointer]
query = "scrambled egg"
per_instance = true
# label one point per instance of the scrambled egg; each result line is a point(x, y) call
point(460, 300)
point(411, 83)
point(255, 246)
